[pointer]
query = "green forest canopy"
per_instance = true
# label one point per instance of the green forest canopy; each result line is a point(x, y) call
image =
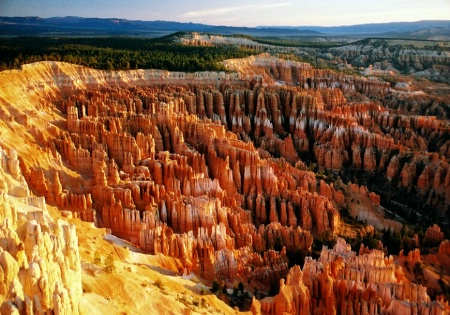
point(117, 53)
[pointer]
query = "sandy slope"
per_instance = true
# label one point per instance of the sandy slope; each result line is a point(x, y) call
point(140, 284)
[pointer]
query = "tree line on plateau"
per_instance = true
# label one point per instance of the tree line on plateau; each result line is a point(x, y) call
point(117, 53)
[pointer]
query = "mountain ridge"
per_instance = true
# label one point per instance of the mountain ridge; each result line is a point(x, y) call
point(33, 25)
point(375, 28)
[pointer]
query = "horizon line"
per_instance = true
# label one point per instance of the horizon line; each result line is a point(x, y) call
point(217, 25)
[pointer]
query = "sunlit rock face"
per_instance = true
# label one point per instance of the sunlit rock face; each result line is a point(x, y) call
point(40, 263)
point(227, 172)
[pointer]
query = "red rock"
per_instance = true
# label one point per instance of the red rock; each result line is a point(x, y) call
point(407, 175)
point(433, 235)
point(356, 156)
point(370, 163)
point(213, 172)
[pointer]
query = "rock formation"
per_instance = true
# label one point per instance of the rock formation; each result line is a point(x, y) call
point(433, 235)
point(342, 282)
point(40, 263)
point(231, 174)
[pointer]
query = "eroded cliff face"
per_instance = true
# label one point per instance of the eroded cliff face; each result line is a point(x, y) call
point(40, 269)
point(214, 168)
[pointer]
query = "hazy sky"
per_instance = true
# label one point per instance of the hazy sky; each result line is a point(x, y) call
point(238, 12)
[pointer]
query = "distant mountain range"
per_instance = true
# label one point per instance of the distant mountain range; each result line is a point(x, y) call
point(374, 28)
point(71, 25)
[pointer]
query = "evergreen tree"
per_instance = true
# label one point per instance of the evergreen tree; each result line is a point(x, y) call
point(97, 258)
point(109, 263)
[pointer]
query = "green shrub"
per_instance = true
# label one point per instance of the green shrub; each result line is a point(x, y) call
point(109, 266)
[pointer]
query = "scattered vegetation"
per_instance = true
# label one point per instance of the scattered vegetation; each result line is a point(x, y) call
point(87, 288)
point(158, 283)
point(216, 287)
point(240, 298)
point(325, 239)
point(94, 268)
point(418, 271)
point(97, 259)
point(191, 302)
point(298, 41)
point(109, 266)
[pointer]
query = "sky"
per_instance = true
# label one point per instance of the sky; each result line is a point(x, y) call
point(237, 12)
